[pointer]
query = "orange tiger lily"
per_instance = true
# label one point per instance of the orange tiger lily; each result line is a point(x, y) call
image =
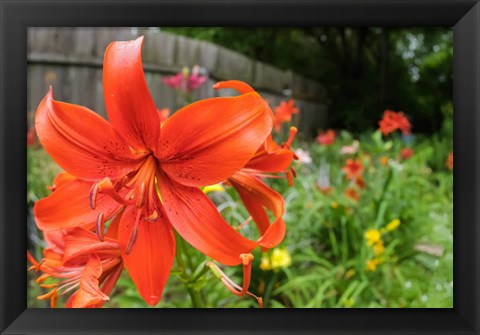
point(255, 194)
point(82, 263)
point(146, 174)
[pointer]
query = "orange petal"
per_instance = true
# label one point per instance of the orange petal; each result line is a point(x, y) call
point(238, 85)
point(276, 161)
point(110, 282)
point(60, 179)
point(89, 293)
point(80, 243)
point(197, 220)
point(206, 142)
point(55, 240)
point(130, 107)
point(151, 256)
point(69, 206)
point(82, 142)
point(258, 197)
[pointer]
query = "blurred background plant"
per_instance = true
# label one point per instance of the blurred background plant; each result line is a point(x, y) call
point(370, 216)
point(364, 70)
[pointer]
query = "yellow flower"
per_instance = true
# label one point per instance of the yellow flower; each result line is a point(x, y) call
point(378, 248)
point(372, 236)
point(350, 273)
point(349, 303)
point(334, 204)
point(372, 265)
point(280, 258)
point(213, 188)
point(393, 225)
point(265, 263)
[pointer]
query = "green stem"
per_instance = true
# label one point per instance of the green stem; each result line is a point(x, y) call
point(384, 190)
point(380, 206)
point(268, 290)
point(188, 281)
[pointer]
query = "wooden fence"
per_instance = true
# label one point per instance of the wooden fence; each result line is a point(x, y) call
point(70, 59)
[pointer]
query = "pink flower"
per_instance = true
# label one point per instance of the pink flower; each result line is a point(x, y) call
point(303, 156)
point(186, 80)
point(174, 81)
point(350, 149)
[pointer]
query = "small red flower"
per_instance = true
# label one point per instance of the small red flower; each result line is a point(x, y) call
point(283, 113)
point(384, 160)
point(449, 161)
point(353, 169)
point(360, 183)
point(406, 153)
point(326, 137)
point(394, 120)
point(352, 194)
point(324, 189)
point(31, 136)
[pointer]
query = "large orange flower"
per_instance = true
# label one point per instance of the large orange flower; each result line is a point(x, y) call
point(149, 175)
point(82, 263)
point(272, 161)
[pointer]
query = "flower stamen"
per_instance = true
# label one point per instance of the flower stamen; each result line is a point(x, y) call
point(133, 235)
point(100, 226)
point(230, 284)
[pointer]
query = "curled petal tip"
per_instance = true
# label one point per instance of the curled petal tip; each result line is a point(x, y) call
point(237, 85)
point(153, 300)
point(246, 258)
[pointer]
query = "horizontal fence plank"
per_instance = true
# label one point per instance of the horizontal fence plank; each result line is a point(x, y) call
point(71, 60)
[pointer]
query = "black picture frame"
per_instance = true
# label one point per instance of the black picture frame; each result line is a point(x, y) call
point(17, 15)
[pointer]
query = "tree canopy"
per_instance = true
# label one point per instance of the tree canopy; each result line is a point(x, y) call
point(364, 70)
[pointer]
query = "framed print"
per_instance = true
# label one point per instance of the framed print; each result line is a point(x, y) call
point(239, 167)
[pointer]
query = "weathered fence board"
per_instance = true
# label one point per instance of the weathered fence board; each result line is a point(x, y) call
point(70, 59)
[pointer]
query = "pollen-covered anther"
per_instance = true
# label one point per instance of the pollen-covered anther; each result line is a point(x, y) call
point(100, 226)
point(133, 234)
point(289, 178)
point(104, 186)
point(230, 284)
point(152, 217)
point(246, 259)
point(294, 172)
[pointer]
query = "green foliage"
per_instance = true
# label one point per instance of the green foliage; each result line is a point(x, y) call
point(325, 233)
